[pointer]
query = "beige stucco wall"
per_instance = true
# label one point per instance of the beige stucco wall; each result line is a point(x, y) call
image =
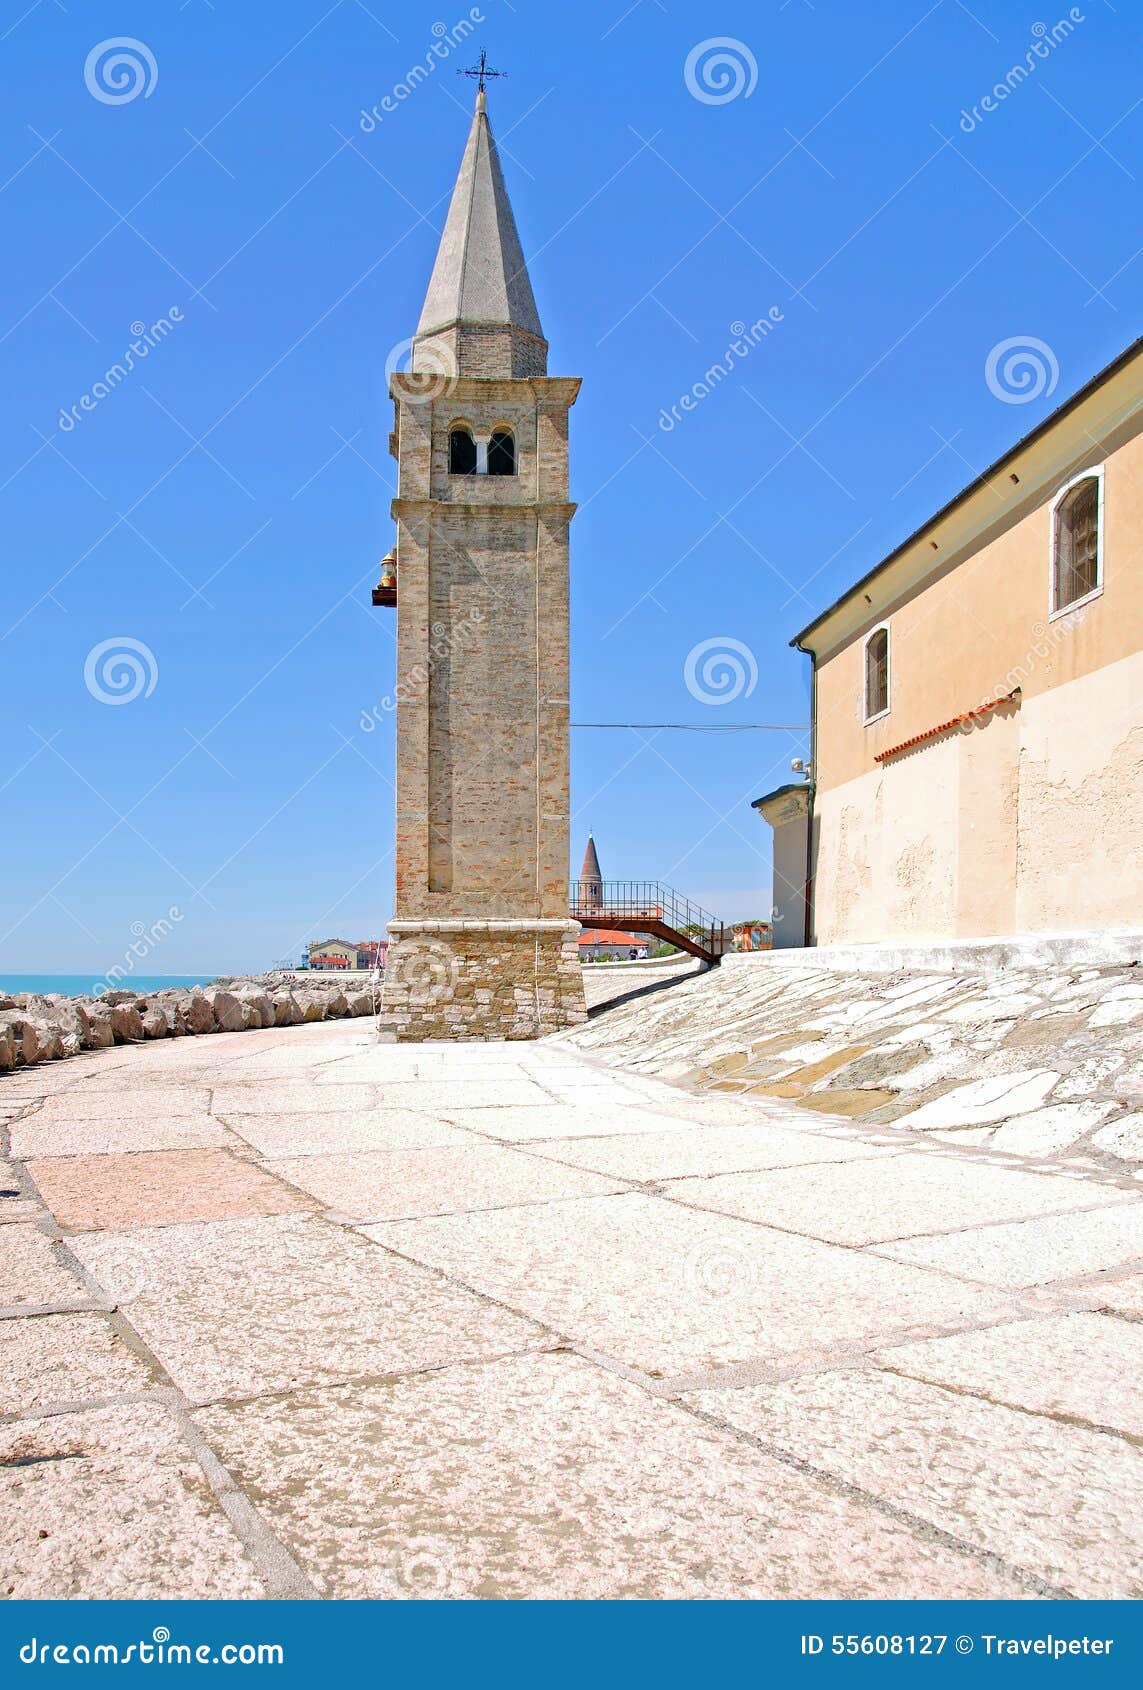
point(1025, 821)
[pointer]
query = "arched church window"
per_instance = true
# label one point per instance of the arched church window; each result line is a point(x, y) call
point(461, 451)
point(876, 674)
point(1076, 571)
point(501, 452)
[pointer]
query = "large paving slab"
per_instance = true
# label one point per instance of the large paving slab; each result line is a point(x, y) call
point(1082, 1366)
point(319, 1133)
point(543, 1476)
point(1063, 1503)
point(597, 1118)
point(65, 1358)
point(918, 1192)
point(292, 1097)
point(133, 1102)
point(111, 1503)
point(238, 1308)
point(31, 1270)
point(157, 1187)
point(673, 1155)
point(1035, 1252)
point(668, 1290)
point(150, 1129)
point(394, 1184)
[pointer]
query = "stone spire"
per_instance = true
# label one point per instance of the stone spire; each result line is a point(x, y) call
point(479, 317)
point(591, 876)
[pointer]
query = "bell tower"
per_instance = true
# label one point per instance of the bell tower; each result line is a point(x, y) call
point(481, 946)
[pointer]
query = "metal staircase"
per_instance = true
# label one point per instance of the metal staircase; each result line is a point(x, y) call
point(646, 906)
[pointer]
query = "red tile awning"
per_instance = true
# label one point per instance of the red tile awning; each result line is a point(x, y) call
point(947, 727)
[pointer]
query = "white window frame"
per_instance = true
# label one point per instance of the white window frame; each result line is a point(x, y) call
point(1057, 610)
point(882, 627)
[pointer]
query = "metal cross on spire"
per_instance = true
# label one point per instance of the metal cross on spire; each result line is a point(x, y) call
point(481, 72)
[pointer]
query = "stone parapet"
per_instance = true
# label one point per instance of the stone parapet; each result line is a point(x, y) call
point(473, 979)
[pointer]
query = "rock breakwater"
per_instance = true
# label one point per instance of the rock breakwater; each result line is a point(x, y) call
point(42, 1028)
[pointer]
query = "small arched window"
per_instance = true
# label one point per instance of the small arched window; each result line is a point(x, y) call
point(461, 451)
point(1076, 542)
point(501, 452)
point(876, 674)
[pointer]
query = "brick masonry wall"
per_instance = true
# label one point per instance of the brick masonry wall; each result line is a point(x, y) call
point(481, 980)
point(482, 738)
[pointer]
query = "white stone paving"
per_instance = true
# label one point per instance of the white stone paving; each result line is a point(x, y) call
point(512, 1320)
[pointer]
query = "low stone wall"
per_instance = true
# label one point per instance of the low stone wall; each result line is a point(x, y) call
point(36, 1028)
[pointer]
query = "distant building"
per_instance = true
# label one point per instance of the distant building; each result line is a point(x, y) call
point(366, 954)
point(751, 936)
point(332, 954)
point(596, 943)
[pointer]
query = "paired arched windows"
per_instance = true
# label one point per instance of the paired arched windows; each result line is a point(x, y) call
point(501, 452)
point(468, 456)
point(461, 451)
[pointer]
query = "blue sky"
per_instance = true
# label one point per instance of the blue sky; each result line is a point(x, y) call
point(225, 505)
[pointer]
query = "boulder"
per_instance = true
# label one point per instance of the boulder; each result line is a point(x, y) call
point(8, 1044)
point(335, 1004)
point(172, 1005)
point(313, 1008)
point(198, 1013)
point(119, 996)
point(126, 1022)
point(38, 1041)
point(259, 1001)
point(229, 1012)
point(100, 1032)
point(154, 1022)
point(287, 1010)
point(360, 1002)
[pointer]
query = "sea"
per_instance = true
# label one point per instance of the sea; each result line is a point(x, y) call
point(83, 985)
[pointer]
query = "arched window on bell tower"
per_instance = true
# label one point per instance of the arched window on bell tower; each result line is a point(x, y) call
point(461, 450)
point(502, 452)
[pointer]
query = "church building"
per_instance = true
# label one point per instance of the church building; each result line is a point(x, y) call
point(977, 703)
point(482, 945)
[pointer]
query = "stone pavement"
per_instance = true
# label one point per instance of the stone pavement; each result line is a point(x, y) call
point(1038, 1062)
point(292, 1313)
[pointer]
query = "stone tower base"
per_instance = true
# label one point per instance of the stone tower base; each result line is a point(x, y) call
point(457, 979)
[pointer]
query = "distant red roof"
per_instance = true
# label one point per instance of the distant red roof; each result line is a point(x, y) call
point(603, 936)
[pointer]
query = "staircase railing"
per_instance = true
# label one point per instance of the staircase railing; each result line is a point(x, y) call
point(637, 904)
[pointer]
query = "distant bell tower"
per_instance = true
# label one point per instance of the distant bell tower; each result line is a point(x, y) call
point(481, 945)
